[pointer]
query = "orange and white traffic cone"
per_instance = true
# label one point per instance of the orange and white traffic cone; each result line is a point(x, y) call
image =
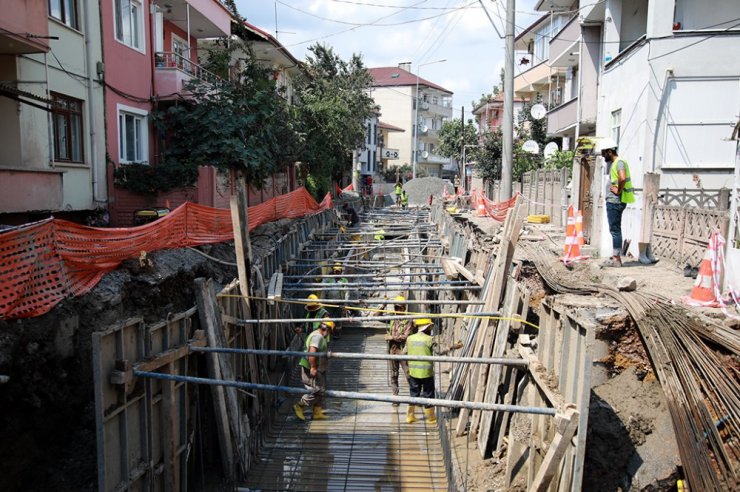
point(704, 293)
point(580, 240)
point(572, 248)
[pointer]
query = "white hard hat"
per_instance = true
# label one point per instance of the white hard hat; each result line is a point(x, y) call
point(604, 144)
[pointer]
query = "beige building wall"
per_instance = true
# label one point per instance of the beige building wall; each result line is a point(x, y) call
point(397, 107)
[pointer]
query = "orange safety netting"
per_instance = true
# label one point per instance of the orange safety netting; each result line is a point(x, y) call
point(496, 210)
point(43, 263)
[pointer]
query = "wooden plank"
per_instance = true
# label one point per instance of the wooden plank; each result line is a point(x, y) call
point(210, 321)
point(242, 246)
point(275, 288)
point(567, 424)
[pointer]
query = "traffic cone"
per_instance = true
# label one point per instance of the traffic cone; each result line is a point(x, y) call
point(571, 250)
point(481, 205)
point(705, 290)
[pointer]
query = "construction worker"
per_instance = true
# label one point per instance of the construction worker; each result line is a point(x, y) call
point(314, 313)
point(398, 189)
point(619, 192)
point(404, 199)
point(379, 235)
point(421, 373)
point(350, 215)
point(313, 372)
point(396, 334)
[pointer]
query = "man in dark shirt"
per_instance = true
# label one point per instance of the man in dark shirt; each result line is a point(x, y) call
point(351, 215)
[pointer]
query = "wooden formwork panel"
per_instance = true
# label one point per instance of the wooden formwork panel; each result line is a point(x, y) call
point(141, 425)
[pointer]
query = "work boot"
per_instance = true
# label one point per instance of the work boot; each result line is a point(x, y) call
point(298, 409)
point(429, 413)
point(410, 417)
point(395, 393)
point(318, 413)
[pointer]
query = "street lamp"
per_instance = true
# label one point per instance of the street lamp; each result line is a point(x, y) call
point(415, 126)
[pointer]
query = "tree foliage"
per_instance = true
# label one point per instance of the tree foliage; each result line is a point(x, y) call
point(332, 102)
point(488, 155)
point(452, 139)
point(243, 125)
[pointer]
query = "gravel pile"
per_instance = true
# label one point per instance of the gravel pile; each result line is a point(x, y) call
point(419, 189)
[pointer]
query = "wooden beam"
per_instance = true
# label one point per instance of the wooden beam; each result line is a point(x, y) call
point(240, 222)
point(567, 424)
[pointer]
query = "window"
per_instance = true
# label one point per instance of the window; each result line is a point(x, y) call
point(67, 128)
point(65, 11)
point(182, 50)
point(132, 135)
point(616, 125)
point(129, 22)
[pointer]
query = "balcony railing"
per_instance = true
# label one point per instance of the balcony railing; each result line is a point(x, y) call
point(169, 60)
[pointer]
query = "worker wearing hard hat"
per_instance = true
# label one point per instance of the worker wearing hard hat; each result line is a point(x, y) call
point(421, 373)
point(619, 192)
point(313, 372)
point(396, 334)
point(379, 235)
point(314, 313)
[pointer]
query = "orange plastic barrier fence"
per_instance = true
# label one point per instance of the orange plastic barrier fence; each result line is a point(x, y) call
point(43, 263)
point(496, 210)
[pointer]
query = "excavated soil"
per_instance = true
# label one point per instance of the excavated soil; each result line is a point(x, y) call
point(47, 423)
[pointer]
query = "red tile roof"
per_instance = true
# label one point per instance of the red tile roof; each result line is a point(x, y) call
point(394, 77)
point(389, 127)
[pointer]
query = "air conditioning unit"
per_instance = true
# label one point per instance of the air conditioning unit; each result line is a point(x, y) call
point(425, 154)
point(420, 120)
point(420, 146)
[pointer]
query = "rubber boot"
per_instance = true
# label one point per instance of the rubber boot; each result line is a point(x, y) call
point(429, 413)
point(298, 409)
point(318, 413)
point(410, 417)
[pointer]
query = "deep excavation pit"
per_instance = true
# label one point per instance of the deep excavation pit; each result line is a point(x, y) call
point(48, 409)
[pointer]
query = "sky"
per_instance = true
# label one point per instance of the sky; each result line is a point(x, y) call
point(389, 32)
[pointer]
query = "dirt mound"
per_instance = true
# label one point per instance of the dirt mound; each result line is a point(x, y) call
point(419, 189)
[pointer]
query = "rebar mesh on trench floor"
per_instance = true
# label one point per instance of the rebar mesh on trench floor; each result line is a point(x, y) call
point(362, 446)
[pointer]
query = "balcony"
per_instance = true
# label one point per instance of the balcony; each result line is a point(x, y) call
point(22, 28)
point(561, 120)
point(533, 80)
point(173, 71)
point(424, 157)
point(199, 18)
point(564, 46)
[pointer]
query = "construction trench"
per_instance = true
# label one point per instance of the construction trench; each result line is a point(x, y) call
point(561, 383)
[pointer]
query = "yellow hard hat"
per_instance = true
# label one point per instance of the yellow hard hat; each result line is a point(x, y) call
point(329, 324)
point(313, 305)
point(337, 266)
point(423, 323)
point(399, 298)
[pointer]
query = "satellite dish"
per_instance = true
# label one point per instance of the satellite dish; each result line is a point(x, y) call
point(550, 149)
point(425, 154)
point(538, 111)
point(531, 146)
point(424, 129)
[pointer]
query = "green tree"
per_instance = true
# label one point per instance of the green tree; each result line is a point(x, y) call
point(488, 155)
point(560, 159)
point(332, 102)
point(451, 138)
point(242, 125)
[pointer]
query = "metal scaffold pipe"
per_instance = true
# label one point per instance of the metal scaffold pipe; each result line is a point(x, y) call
point(394, 302)
point(352, 285)
point(353, 395)
point(349, 355)
point(367, 318)
point(381, 289)
point(362, 275)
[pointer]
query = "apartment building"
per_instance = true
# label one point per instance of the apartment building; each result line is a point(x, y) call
point(51, 110)
point(660, 77)
point(417, 106)
point(489, 114)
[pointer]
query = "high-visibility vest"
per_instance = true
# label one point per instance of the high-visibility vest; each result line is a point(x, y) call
point(322, 348)
point(313, 319)
point(628, 192)
point(398, 190)
point(379, 235)
point(404, 199)
point(420, 344)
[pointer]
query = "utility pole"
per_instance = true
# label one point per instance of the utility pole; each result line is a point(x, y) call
point(508, 126)
point(461, 175)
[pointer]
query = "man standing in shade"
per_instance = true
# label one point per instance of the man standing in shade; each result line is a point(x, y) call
point(619, 192)
point(396, 334)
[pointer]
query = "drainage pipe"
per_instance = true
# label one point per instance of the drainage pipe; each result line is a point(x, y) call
point(351, 355)
point(353, 395)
